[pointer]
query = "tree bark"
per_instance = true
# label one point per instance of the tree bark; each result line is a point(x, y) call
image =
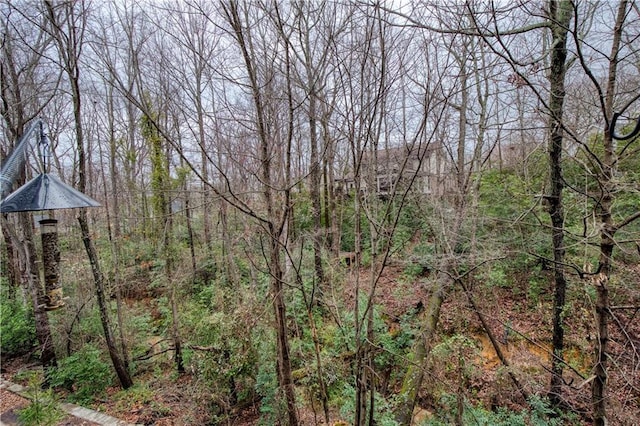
point(560, 16)
point(283, 353)
point(115, 238)
point(168, 266)
point(118, 364)
point(187, 215)
point(204, 160)
point(316, 171)
point(607, 233)
point(12, 264)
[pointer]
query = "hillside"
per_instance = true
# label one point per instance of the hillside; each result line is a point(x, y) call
point(464, 364)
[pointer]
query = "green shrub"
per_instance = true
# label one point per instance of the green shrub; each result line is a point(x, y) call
point(383, 414)
point(414, 270)
point(273, 405)
point(85, 372)
point(537, 288)
point(538, 414)
point(43, 409)
point(230, 368)
point(17, 328)
point(495, 276)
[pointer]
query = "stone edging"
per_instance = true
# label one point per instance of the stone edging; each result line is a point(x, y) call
point(74, 410)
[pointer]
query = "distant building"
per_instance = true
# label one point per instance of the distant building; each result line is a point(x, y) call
point(394, 169)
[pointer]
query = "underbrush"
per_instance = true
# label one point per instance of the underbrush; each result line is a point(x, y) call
point(538, 413)
point(86, 374)
point(17, 327)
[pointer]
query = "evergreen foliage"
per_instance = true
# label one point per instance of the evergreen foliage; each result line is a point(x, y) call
point(17, 329)
point(85, 372)
point(43, 410)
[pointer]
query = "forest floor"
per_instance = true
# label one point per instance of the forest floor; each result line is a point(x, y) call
point(524, 340)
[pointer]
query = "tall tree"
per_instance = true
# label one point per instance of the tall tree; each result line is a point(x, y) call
point(115, 235)
point(119, 41)
point(274, 176)
point(162, 234)
point(66, 24)
point(557, 20)
point(195, 45)
point(314, 59)
point(605, 161)
point(560, 16)
point(24, 84)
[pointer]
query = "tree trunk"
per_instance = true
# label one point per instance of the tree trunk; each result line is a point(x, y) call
point(277, 211)
point(175, 323)
point(412, 381)
point(360, 379)
point(118, 364)
point(598, 387)
point(316, 208)
point(230, 266)
point(285, 379)
point(69, 47)
point(607, 233)
point(12, 263)
point(187, 214)
point(331, 205)
point(115, 240)
point(560, 15)
point(324, 396)
point(204, 159)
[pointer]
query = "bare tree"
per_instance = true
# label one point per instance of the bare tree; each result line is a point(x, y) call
point(119, 41)
point(604, 167)
point(194, 67)
point(113, 213)
point(557, 18)
point(275, 176)
point(314, 55)
point(25, 90)
point(570, 23)
point(392, 130)
point(560, 15)
point(66, 24)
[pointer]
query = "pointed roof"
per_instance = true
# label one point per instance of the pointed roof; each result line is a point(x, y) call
point(45, 192)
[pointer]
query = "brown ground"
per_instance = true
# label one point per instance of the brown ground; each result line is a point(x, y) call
point(10, 400)
point(176, 402)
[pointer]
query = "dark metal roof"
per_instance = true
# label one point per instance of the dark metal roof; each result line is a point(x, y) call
point(45, 192)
